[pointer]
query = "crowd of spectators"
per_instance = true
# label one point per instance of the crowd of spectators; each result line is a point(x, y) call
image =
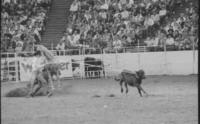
point(179, 33)
point(22, 23)
point(112, 24)
point(104, 24)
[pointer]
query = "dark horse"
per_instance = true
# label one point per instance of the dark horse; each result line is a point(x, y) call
point(131, 79)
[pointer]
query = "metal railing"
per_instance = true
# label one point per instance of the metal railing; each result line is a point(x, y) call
point(10, 71)
point(88, 51)
point(94, 74)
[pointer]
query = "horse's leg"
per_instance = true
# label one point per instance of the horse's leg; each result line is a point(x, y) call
point(58, 79)
point(143, 90)
point(50, 80)
point(139, 91)
point(126, 85)
point(121, 82)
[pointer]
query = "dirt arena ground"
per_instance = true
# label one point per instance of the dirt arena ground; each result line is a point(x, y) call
point(173, 100)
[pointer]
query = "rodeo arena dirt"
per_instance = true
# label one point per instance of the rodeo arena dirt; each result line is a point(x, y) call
point(99, 62)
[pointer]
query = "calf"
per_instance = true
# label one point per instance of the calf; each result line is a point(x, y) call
point(131, 79)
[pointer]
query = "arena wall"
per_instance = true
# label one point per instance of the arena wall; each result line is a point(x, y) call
point(153, 63)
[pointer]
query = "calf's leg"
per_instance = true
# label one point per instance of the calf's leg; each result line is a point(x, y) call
point(139, 91)
point(121, 85)
point(142, 90)
point(126, 85)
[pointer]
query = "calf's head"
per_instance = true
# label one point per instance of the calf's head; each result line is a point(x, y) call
point(141, 74)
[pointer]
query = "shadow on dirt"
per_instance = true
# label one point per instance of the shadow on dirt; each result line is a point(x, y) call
point(23, 92)
point(110, 95)
point(155, 95)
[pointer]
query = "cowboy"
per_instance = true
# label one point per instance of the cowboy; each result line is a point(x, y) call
point(41, 81)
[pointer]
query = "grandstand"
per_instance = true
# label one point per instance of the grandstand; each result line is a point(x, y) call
point(107, 25)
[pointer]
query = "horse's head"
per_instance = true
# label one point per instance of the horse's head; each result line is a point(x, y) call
point(141, 74)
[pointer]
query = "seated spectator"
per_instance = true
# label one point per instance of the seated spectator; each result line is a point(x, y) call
point(155, 41)
point(60, 48)
point(176, 34)
point(74, 6)
point(170, 31)
point(125, 14)
point(117, 42)
point(76, 37)
point(19, 45)
point(148, 42)
point(170, 40)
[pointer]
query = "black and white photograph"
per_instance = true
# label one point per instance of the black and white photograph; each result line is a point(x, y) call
point(99, 61)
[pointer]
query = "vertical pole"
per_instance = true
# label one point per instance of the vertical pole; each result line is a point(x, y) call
point(83, 63)
point(193, 47)
point(33, 47)
point(102, 64)
point(8, 74)
point(138, 45)
point(16, 69)
point(138, 52)
point(139, 60)
point(165, 55)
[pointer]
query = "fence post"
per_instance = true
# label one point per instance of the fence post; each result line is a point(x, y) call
point(193, 47)
point(16, 69)
point(165, 55)
point(139, 65)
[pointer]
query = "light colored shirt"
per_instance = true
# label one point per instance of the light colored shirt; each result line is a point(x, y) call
point(155, 41)
point(74, 7)
point(162, 12)
point(19, 45)
point(60, 46)
point(125, 14)
point(104, 6)
point(117, 44)
point(170, 41)
point(103, 15)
